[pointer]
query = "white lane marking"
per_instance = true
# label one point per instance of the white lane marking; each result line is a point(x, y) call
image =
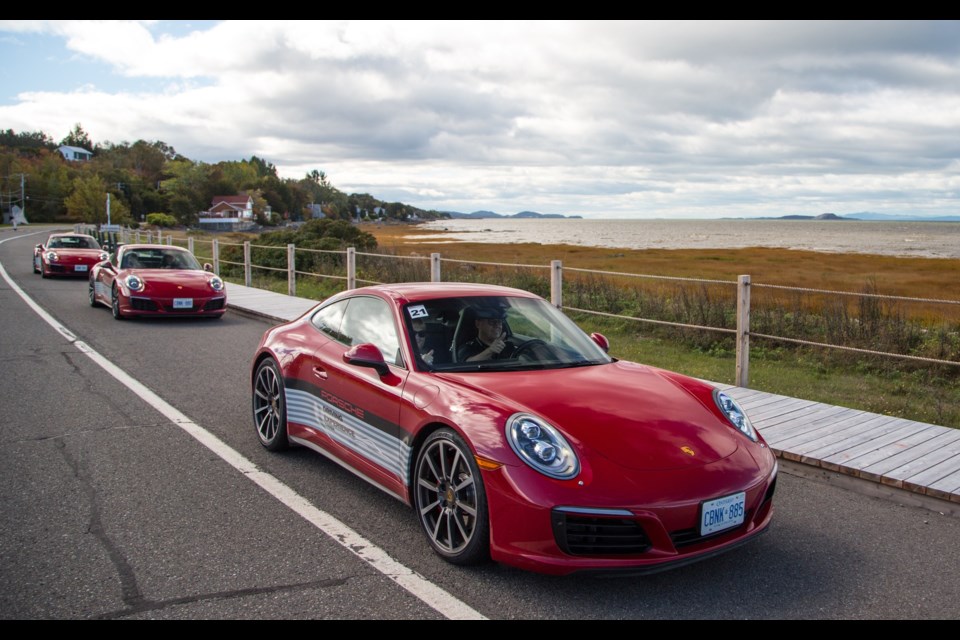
point(432, 595)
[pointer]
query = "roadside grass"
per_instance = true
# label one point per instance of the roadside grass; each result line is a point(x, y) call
point(924, 393)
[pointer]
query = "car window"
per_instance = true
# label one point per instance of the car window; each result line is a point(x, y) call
point(328, 320)
point(369, 319)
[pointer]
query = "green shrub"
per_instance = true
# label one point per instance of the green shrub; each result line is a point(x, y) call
point(161, 220)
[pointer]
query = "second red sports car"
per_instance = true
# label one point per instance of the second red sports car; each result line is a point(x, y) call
point(157, 280)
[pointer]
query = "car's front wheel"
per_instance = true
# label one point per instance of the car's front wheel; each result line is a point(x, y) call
point(270, 406)
point(450, 500)
point(92, 293)
point(36, 261)
point(115, 303)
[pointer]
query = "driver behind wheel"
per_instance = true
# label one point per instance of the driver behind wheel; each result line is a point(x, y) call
point(490, 342)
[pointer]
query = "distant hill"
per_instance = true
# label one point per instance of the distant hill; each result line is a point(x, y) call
point(822, 216)
point(866, 215)
point(480, 215)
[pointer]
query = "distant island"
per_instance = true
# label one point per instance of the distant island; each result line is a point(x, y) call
point(481, 215)
point(865, 216)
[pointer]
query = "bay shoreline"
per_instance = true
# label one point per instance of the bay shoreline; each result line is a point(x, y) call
point(923, 277)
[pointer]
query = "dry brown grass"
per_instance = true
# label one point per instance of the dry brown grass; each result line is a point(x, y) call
point(914, 277)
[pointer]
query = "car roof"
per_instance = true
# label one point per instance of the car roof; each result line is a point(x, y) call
point(153, 246)
point(404, 292)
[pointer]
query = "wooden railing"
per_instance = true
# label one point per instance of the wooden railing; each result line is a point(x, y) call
point(434, 265)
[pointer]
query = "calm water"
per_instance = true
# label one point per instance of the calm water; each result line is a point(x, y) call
point(915, 239)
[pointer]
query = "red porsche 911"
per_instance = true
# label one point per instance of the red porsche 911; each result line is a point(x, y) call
point(156, 280)
point(513, 435)
point(67, 254)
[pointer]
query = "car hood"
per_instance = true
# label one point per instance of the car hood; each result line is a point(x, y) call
point(79, 253)
point(629, 413)
point(176, 281)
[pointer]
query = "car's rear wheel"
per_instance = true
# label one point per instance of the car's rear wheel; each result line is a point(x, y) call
point(270, 406)
point(450, 500)
point(115, 303)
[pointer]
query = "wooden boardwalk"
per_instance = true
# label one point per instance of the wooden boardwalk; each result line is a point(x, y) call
point(898, 458)
point(915, 457)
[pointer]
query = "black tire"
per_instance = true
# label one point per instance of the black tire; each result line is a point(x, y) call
point(450, 501)
point(270, 406)
point(92, 293)
point(35, 270)
point(115, 304)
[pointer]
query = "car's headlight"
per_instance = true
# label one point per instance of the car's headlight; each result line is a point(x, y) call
point(104, 256)
point(216, 283)
point(52, 256)
point(541, 446)
point(134, 282)
point(735, 414)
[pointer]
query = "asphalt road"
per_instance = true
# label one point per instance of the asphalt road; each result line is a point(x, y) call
point(111, 509)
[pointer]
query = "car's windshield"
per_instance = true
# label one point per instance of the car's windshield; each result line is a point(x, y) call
point(158, 258)
point(73, 242)
point(496, 333)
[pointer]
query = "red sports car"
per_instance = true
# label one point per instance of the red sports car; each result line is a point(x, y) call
point(156, 280)
point(67, 254)
point(513, 435)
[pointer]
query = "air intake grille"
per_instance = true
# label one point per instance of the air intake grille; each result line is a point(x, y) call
point(582, 535)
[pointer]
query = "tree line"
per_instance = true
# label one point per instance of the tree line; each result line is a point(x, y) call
point(144, 178)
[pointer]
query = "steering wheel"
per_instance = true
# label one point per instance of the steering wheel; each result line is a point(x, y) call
point(526, 348)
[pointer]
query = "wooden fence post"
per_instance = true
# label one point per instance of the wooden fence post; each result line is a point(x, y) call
point(351, 268)
point(556, 283)
point(247, 278)
point(190, 245)
point(291, 270)
point(743, 331)
point(435, 267)
point(216, 256)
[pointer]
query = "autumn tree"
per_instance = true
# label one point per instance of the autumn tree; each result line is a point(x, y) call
point(78, 138)
point(87, 203)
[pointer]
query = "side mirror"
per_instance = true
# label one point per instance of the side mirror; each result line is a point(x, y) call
point(39, 246)
point(366, 355)
point(208, 267)
point(601, 341)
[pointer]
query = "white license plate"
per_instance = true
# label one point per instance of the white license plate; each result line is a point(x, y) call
point(79, 267)
point(183, 303)
point(722, 513)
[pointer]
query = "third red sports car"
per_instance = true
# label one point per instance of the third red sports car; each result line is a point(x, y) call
point(157, 280)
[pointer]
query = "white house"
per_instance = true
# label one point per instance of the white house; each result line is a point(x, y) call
point(74, 153)
point(228, 213)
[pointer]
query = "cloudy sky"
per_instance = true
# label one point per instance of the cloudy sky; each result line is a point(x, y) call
point(648, 119)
